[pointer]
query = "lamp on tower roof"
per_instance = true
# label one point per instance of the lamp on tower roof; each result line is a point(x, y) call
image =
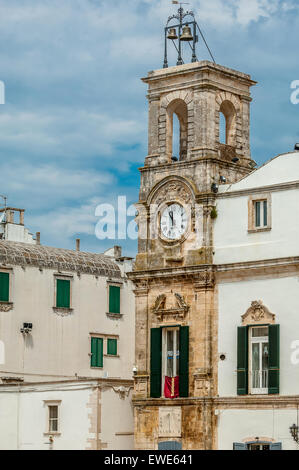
point(184, 31)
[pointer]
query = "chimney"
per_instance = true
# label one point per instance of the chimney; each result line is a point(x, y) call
point(9, 216)
point(78, 244)
point(21, 217)
point(117, 252)
point(38, 238)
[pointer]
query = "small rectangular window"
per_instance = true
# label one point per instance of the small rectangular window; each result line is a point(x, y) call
point(63, 291)
point(96, 352)
point(261, 214)
point(258, 214)
point(112, 347)
point(4, 287)
point(53, 418)
point(114, 299)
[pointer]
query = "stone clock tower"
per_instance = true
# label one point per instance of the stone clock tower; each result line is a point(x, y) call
point(174, 275)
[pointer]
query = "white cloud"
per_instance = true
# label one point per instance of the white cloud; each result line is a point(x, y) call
point(68, 133)
point(75, 106)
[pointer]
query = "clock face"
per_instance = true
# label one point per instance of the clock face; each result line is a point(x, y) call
point(174, 222)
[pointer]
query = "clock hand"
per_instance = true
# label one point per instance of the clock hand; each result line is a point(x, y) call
point(171, 217)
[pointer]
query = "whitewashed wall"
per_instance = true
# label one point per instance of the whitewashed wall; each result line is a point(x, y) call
point(232, 241)
point(23, 417)
point(59, 347)
point(281, 297)
point(241, 425)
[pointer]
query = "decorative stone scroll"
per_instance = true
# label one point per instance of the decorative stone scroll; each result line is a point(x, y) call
point(62, 312)
point(6, 306)
point(257, 314)
point(178, 312)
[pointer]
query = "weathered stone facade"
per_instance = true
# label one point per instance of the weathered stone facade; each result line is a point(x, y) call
point(175, 279)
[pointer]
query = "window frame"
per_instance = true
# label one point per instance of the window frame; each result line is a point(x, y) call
point(110, 338)
point(8, 271)
point(256, 340)
point(96, 336)
point(63, 277)
point(49, 404)
point(252, 201)
point(164, 353)
point(120, 286)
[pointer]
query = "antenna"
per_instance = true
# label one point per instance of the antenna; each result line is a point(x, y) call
point(5, 200)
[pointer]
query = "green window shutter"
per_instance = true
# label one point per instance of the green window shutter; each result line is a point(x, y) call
point(274, 362)
point(156, 353)
point(242, 366)
point(114, 299)
point(96, 352)
point(112, 347)
point(4, 287)
point(63, 290)
point(184, 361)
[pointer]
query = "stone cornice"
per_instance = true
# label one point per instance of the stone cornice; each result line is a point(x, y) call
point(194, 162)
point(202, 66)
point(275, 262)
point(262, 189)
point(279, 264)
point(247, 401)
point(257, 401)
point(188, 271)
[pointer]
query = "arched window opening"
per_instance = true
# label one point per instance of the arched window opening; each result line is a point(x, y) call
point(227, 124)
point(222, 130)
point(177, 130)
point(176, 137)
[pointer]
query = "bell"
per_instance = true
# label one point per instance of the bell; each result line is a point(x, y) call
point(172, 34)
point(187, 35)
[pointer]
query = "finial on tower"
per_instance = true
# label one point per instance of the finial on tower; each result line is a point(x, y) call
point(182, 32)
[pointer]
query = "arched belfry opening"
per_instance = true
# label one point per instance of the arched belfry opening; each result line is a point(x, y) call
point(227, 123)
point(177, 130)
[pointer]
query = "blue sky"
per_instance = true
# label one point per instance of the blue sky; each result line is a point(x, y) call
point(73, 131)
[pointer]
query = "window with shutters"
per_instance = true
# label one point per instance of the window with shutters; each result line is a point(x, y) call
point(257, 445)
point(258, 367)
point(4, 286)
point(170, 362)
point(114, 299)
point(112, 347)
point(96, 353)
point(63, 293)
point(259, 213)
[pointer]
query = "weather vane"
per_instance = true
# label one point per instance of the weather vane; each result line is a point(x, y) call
point(182, 32)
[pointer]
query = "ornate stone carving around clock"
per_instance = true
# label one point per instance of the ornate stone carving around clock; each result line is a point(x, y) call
point(174, 190)
point(176, 312)
point(257, 313)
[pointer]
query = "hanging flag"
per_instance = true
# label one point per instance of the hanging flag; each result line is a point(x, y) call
point(171, 387)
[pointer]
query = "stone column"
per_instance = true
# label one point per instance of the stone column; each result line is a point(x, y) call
point(153, 125)
point(141, 339)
